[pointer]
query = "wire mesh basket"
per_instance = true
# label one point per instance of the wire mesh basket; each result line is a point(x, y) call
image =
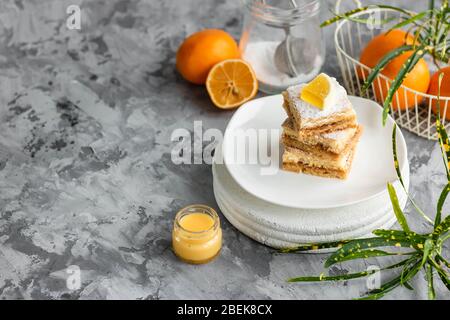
point(413, 110)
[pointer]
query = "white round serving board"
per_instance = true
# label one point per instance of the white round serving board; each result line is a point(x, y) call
point(372, 165)
point(281, 227)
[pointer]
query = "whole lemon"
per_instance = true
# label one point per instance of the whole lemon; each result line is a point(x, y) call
point(201, 51)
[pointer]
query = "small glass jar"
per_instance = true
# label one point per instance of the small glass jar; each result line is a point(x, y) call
point(197, 235)
point(290, 27)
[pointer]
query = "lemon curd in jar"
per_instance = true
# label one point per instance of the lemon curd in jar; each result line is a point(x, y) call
point(197, 236)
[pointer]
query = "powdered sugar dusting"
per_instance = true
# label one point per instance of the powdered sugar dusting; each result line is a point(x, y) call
point(308, 111)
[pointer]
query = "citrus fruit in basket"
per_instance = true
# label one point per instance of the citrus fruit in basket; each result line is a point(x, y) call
point(230, 83)
point(201, 51)
point(418, 79)
point(445, 91)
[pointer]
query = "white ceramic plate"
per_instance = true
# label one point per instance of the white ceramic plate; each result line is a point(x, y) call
point(372, 166)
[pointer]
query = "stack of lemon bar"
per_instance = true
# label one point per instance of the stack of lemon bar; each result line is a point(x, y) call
point(321, 132)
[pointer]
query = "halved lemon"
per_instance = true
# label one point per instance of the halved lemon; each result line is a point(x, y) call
point(230, 83)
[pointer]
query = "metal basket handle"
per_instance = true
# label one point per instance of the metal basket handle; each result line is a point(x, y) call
point(338, 5)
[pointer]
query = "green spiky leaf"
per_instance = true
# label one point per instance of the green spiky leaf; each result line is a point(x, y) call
point(443, 227)
point(370, 253)
point(358, 245)
point(316, 246)
point(346, 276)
point(406, 68)
point(432, 35)
point(332, 278)
point(399, 174)
point(417, 240)
point(388, 286)
point(441, 201)
point(383, 63)
point(414, 18)
point(430, 284)
point(445, 145)
point(362, 9)
point(428, 248)
point(397, 210)
point(445, 149)
point(441, 273)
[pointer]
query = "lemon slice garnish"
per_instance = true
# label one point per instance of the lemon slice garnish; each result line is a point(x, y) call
point(317, 91)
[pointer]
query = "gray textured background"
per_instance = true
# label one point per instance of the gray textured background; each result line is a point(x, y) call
point(85, 171)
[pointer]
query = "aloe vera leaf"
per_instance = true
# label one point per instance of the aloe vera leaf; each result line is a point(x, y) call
point(316, 246)
point(397, 210)
point(346, 276)
point(430, 284)
point(358, 245)
point(406, 68)
point(362, 9)
point(399, 174)
point(383, 63)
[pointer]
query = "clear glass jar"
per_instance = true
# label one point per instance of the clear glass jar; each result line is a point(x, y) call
point(197, 235)
point(267, 25)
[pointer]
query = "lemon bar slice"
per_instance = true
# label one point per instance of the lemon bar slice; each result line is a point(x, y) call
point(315, 161)
point(334, 140)
point(305, 116)
point(317, 156)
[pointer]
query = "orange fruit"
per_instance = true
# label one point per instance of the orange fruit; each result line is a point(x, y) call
point(382, 44)
point(445, 91)
point(230, 83)
point(418, 79)
point(201, 51)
